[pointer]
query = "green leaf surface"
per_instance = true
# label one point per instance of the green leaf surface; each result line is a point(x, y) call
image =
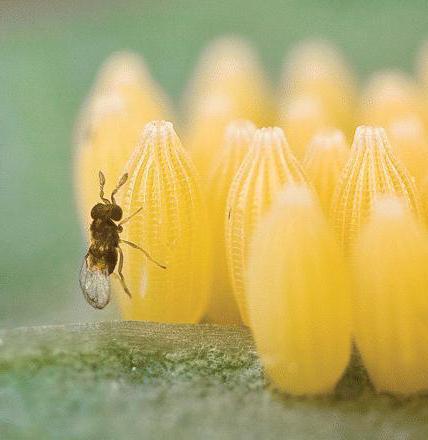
point(131, 380)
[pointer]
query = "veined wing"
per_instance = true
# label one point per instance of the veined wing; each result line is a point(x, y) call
point(95, 286)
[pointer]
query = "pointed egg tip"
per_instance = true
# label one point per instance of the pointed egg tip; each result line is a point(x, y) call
point(390, 80)
point(328, 139)
point(313, 59)
point(158, 132)
point(228, 53)
point(122, 67)
point(214, 105)
point(304, 107)
point(106, 104)
point(267, 137)
point(314, 49)
point(408, 127)
point(296, 195)
point(390, 85)
point(370, 136)
point(238, 127)
point(158, 128)
point(389, 206)
point(239, 133)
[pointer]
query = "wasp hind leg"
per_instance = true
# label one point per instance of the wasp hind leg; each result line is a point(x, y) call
point(149, 257)
point(120, 274)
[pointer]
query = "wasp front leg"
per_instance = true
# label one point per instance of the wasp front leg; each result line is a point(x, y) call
point(129, 217)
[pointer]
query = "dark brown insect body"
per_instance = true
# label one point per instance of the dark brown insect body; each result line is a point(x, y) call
point(104, 237)
point(104, 251)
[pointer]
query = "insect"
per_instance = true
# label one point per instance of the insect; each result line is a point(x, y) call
point(104, 251)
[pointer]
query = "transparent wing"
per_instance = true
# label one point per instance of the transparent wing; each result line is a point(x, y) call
point(95, 286)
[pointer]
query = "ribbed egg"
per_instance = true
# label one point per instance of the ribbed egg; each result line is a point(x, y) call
point(324, 161)
point(172, 227)
point(390, 301)
point(372, 169)
point(124, 98)
point(268, 167)
point(299, 296)
point(237, 139)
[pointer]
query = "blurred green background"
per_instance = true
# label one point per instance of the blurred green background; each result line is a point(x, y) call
point(49, 54)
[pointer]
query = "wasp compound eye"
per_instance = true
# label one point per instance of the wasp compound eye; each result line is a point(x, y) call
point(116, 213)
point(98, 211)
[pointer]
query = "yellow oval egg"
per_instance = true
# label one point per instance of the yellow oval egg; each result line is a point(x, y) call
point(324, 162)
point(124, 98)
point(172, 227)
point(267, 167)
point(372, 169)
point(409, 140)
point(388, 96)
point(318, 70)
point(230, 66)
point(238, 137)
point(390, 301)
point(229, 83)
point(299, 296)
point(302, 117)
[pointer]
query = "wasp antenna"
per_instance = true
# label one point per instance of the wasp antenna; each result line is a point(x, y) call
point(102, 178)
point(122, 181)
point(102, 183)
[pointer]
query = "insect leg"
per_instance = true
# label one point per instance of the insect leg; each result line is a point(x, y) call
point(129, 243)
point(119, 271)
point(129, 217)
point(122, 181)
point(102, 183)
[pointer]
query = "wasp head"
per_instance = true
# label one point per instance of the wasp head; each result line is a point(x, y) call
point(106, 212)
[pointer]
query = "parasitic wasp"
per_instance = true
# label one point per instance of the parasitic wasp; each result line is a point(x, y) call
point(104, 251)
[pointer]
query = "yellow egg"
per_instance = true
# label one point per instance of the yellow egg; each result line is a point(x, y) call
point(372, 169)
point(172, 227)
point(124, 98)
point(267, 167)
point(409, 140)
point(299, 296)
point(324, 162)
point(228, 83)
point(124, 74)
point(229, 66)
point(302, 118)
point(389, 96)
point(238, 136)
point(317, 69)
point(204, 136)
point(390, 301)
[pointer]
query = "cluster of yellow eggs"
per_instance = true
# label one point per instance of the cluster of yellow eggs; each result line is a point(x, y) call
point(312, 243)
